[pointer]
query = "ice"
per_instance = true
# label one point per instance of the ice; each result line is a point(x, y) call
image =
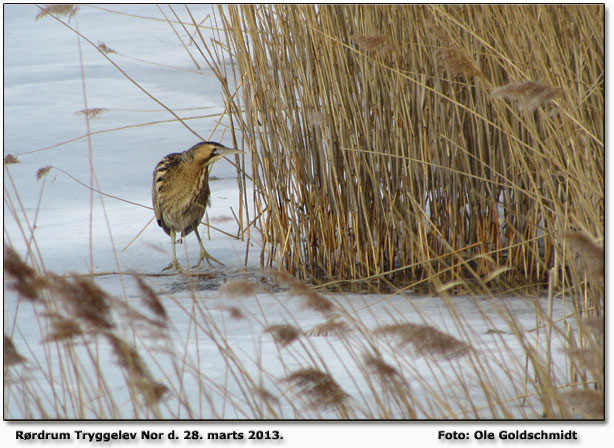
point(67, 228)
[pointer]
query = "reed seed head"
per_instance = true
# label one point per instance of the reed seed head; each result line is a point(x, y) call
point(11, 356)
point(283, 334)
point(10, 158)
point(591, 256)
point(529, 94)
point(67, 11)
point(319, 388)
point(42, 172)
point(239, 288)
point(426, 340)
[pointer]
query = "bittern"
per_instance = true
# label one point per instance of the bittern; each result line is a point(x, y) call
point(180, 193)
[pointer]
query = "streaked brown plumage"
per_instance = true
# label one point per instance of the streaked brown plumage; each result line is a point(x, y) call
point(180, 192)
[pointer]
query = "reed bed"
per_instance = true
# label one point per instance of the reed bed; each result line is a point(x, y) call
point(421, 144)
point(397, 147)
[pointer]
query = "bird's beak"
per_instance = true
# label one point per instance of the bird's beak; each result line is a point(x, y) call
point(222, 152)
point(227, 151)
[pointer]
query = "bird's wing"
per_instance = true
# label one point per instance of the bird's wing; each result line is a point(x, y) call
point(159, 174)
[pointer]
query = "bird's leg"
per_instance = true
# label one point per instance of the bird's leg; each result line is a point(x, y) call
point(204, 254)
point(173, 264)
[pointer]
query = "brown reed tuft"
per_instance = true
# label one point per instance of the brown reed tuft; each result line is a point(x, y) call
point(130, 360)
point(235, 312)
point(10, 158)
point(24, 279)
point(380, 367)
point(92, 113)
point(426, 340)
point(589, 403)
point(331, 327)
point(319, 388)
point(529, 94)
point(239, 288)
point(67, 11)
point(585, 359)
point(372, 42)
point(62, 328)
point(86, 301)
point(283, 334)
point(42, 172)
point(594, 325)
point(311, 298)
point(265, 395)
point(151, 300)
point(106, 50)
point(591, 254)
point(458, 63)
point(11, 356)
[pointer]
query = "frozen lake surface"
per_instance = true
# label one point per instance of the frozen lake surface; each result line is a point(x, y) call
point(222, 354)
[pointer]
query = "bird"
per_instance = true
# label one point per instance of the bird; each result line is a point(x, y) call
point(180, 193)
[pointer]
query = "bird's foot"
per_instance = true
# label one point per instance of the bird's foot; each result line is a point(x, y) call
point(204, 255)
point(173, 265)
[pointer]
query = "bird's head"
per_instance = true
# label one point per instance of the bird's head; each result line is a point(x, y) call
point(210, 152)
